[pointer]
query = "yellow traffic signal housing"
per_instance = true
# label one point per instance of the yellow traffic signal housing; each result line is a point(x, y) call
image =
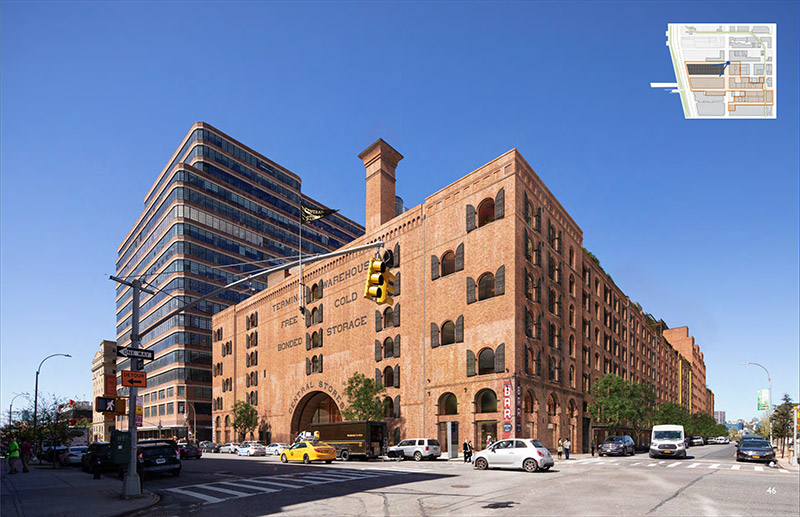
point(388, 289)
point(375, 280)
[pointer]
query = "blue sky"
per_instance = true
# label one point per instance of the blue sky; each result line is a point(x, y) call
point(695, 220)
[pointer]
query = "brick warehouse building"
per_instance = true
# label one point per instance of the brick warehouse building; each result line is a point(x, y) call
point(501, 322)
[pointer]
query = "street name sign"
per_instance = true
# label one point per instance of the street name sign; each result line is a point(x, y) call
point(134, 379)
point(138, 353)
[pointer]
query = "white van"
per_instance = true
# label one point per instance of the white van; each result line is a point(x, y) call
point(667, 440)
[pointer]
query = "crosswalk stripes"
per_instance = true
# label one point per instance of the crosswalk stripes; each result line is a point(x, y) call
point(673, 464)
point(218, 491)
point(736, 467)
point(714, 466)
point(693, 466)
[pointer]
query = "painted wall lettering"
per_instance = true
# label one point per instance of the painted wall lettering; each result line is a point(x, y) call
point(343, 327)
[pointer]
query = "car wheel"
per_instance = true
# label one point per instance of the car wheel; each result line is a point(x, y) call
point(545, 468)
point(530, 465)
point(417, 456)
point(481, 464)
point(345, 455)
point(305, 459)
point(283, 458)
point(652, 455)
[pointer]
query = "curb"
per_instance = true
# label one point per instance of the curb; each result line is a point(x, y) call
point(132, 512)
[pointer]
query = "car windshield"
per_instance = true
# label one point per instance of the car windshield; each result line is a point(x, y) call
point(614, 439)
point(758, 444)
point(537, 443)
point(667, 435)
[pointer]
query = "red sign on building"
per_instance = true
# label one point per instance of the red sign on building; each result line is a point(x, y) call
point(508, 409)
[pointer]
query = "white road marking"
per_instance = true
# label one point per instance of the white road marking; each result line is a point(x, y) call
point(693, 466)
point(714, 466)
point(223, 490)
point(783, 470)
point(265, 482)
point(736, 467)
point(652, 465)
point(759, 469)
point(204, 497)
point(637, 463)
point(243, 484)
point(675, 464)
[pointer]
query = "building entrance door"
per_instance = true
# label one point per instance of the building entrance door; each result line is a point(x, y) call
point(316, 407)
point(483, 430)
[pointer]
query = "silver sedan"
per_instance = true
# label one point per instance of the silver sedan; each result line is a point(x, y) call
point(519, 453)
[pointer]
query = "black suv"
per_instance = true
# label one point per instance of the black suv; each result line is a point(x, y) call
point(622, 445)
point(101, 450)
point(155, 457)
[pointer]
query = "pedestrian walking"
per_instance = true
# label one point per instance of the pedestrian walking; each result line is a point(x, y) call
point(25, 454)
point(560, 448)
point(567, 445)
point(13, 456)
point(467, 451)
point(489, 441)
point(592, 447)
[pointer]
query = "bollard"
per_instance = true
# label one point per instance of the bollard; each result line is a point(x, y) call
point(98, 466)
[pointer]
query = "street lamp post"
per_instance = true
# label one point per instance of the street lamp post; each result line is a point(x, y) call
point(769, 406)
point(11, 406)
point(36, 405)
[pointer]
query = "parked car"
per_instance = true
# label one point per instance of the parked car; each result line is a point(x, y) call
point(622, 445)
point(417, 448)
point(698, 440)
point(276, 448)
point(52, 454)
point(95, 451)
point(748, 437)
point(521, 453)
point(187, 451)
point(724, 440)
point(251, 449)
point(230, 448)
point(72, 456)
point(159, 440)
point(308, 451)
point(155, 458)
point(755, 450)
point(209, 447)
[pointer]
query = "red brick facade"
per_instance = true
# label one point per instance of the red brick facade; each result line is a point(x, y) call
point(496, 298)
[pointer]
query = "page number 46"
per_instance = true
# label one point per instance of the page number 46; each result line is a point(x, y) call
point(771, 490)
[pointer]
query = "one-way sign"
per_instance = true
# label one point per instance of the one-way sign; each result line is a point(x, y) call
point(138, 353)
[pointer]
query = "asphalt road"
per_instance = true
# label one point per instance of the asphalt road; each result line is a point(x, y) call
point(708, 482)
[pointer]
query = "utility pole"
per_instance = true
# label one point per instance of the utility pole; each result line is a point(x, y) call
point(131, 485)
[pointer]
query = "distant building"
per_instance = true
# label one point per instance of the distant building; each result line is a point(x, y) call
point(104, 371)
point(719, 416)
point(74, 411)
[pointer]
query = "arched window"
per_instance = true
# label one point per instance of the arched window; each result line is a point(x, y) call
point(485, 212)
point(315, 364)
point(571, 256)
point(572, 409)
point(486, 401)
point(315, 340)
point(486, 286)
point(315, 293)
point(527, 404)
point(528, 286)
point(528, 324)
point(486, 361)
point(448, 263)
point(572, 285)
point(396, 435)
point(388, 377)
point(537, 363)
point(388, 407)
point(227, 420)
point(552, 336)
point(571, 376)
point(315, 316)
point(448, 404)
point(448, 335)
point(552, 405)
point(551, 301)
point(219, 422)
point(388, 348)
point(388, 318)
point(572, 346)
point(572, 316)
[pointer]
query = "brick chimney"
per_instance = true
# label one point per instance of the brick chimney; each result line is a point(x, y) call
point(380, 160)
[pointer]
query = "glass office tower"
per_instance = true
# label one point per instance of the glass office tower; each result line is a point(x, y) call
point(216, 209)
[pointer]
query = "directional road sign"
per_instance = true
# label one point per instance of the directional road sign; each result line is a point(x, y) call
point(138, 353)
point(134, 379)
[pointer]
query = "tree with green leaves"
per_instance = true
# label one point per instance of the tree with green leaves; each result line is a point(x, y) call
point(620, 403)
point(245, 419)
point(674, 414)
point(363, 399)
point(782, 421)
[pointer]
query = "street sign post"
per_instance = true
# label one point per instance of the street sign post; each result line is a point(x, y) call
point(134, 379)
point(138, 353)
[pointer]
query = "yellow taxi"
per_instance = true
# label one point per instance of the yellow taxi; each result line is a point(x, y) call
point(307, 451)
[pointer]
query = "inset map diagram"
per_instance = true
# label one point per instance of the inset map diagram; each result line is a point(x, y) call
point(724, 70)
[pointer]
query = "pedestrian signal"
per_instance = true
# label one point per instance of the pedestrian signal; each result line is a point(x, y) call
point(105, 405)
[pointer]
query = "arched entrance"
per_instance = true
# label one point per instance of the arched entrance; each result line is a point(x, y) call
point(316, 407)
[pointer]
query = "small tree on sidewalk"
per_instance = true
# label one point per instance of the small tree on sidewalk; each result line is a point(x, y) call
point(245, 419)
point(782, 421)
point(363, 401)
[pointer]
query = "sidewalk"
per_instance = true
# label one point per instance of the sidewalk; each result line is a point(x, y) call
point(45, 492)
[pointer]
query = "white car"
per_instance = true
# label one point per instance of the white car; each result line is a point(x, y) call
point(230, 448)
point(519, 453)
point(72, 456)
point(275, 449)
point(417, 448)
point(251, 449)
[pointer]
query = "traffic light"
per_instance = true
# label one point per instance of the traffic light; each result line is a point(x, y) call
point(388, 289)
point(374, 286)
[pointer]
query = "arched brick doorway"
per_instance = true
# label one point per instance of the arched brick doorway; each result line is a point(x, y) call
point(316, 407)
